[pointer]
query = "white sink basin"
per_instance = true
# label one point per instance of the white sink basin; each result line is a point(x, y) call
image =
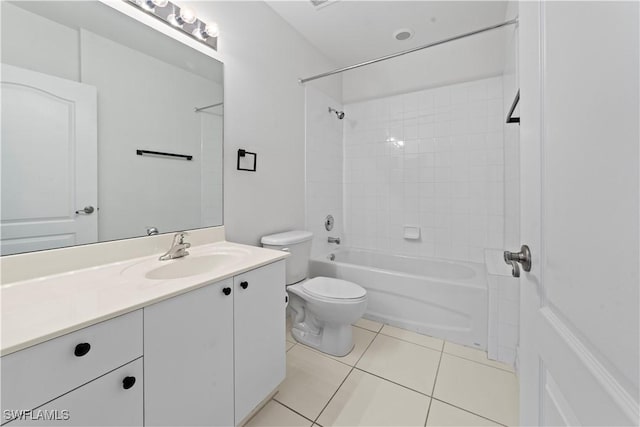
point(190, 265)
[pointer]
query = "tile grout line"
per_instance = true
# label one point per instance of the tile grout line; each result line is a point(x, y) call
point(332, 396)
point(435, 380)
point(347, 376)
point(412, 342)
point(466, 410)
point(291, 409)
point(480, 363)
point(392, 382)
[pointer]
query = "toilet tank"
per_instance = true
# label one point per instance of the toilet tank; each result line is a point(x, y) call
point(298, 243)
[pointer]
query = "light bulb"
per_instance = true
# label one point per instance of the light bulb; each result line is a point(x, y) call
point(160, 3)
point(147, 5)
point(174, 20)
point(199, 33)
point(211, 29)
point(187, 15)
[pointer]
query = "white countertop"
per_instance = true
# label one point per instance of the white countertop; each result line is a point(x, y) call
point(34, 311)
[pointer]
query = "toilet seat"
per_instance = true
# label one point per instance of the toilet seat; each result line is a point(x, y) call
point(336, 289)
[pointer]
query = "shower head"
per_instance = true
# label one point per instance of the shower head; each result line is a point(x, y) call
point(339, 114)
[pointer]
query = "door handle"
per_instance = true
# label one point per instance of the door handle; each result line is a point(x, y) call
point(88, 210)
point(523, 258)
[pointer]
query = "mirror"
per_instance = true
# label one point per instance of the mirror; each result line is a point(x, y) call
point(110, 129)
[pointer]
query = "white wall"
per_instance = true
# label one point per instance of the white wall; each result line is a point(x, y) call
point(42, 45)
point(431, 159)
point(510, 86)
point(264, 112)
point(463, 60)
point(324, 162)
point(505, 290)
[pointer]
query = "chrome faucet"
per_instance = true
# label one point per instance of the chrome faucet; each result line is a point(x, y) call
point(178, 248)
point(335, 240)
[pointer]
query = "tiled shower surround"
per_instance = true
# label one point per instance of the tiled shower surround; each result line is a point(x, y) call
point(432, 159)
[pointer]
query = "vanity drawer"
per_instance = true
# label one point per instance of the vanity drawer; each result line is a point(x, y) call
point(114, 399)
point(36, 375)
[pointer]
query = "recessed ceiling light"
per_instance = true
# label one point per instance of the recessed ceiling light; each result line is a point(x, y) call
point(403, 34)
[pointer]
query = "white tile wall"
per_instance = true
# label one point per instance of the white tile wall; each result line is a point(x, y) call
point(432, 159)
point(324, 164)
point(506, 314)
point(504, 309)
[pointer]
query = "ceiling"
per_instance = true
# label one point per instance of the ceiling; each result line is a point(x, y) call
point(348, 32)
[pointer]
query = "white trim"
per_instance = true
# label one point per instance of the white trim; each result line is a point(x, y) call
point(160, 26)
point(612, 387)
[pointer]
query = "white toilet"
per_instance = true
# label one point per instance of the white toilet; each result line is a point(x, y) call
point(322, 309)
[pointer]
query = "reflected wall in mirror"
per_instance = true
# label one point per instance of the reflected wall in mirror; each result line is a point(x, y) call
point(84, 88)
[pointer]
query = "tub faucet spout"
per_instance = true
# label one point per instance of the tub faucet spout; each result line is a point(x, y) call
point(335, 240)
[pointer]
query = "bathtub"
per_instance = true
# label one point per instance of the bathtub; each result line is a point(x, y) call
point(444, 299)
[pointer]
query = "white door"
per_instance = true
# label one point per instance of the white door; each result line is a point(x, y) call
point(49, 162)
point(579, 169)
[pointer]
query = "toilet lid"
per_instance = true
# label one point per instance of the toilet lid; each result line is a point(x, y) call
point(327, 287)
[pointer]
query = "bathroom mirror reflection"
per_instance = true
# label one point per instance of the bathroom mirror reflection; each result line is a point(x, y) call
point(110, 129)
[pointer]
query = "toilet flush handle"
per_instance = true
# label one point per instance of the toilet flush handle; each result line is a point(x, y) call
point(285, 250)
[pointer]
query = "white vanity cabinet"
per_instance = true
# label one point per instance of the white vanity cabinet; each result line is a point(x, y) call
point(205, 357)
point(37, 375)
point(215, 348)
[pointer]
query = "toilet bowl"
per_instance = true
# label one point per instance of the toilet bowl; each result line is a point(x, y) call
point(322, 309)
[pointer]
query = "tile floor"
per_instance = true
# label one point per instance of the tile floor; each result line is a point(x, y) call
point(392, 377)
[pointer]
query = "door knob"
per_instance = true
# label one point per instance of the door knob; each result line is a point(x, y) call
point(88, 210)
point(523, 257)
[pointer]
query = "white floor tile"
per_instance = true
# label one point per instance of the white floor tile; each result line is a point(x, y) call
point(311, 380)
point(475, 355)
point(288, 345)
point(423, 340)
point(366, 400)
point(443, 415)
point(369, 325)
point(273, 414)
point(402, 362)
point(478, 388)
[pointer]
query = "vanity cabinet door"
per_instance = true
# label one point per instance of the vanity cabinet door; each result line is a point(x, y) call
point(259, 318)
point(188, 358)
point(114, 399)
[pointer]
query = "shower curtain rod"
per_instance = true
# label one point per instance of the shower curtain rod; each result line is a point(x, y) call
point(207, 106)
point(404, 52)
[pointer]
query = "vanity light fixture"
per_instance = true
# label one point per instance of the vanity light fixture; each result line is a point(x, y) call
point(181, 18)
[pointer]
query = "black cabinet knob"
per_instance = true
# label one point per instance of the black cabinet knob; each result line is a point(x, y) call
point(82, 349)
point(244, 284)
point(128, 382)
point(226, 291)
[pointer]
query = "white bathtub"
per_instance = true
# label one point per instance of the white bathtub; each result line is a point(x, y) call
point(445, 299)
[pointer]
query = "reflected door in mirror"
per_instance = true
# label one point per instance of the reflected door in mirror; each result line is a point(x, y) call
point(49, 162)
